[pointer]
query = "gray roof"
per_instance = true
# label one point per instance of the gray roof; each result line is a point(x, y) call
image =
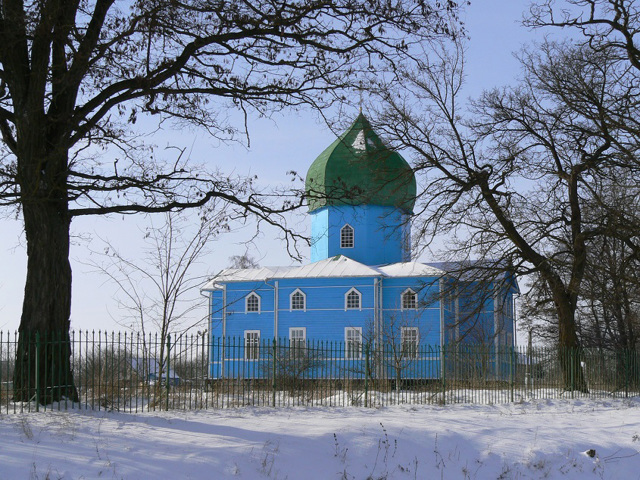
point(338, 266)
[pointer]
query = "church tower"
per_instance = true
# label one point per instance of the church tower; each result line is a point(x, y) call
point(360, 195)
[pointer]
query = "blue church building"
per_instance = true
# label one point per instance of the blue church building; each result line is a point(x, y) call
point(361, 290)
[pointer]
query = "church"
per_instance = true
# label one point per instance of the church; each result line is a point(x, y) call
point(361, 289)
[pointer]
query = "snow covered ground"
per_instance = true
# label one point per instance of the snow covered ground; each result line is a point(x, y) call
point(542, 439)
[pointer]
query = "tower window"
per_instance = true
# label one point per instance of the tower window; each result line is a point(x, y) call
point(409, 300)
point(252, 303)
point(347, 239)
point(352, 300)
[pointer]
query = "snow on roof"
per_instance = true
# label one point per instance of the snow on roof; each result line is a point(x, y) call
point(338, 266)
point(246, 275)
point(470, 270)
point(410, 269)
point(341, 266)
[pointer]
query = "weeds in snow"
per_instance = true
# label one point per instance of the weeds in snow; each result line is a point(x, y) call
point(340, 453)
point(33, 474)
point(270, 450)
point(25, 426)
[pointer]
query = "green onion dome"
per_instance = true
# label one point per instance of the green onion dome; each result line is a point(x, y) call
point(358, 169)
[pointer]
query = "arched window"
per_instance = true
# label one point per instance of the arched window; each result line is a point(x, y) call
point(252, 303)
point(409, 300)
point(347, 238)
point(298, 300)
point(353, 300)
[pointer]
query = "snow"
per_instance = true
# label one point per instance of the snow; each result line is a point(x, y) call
point(527, 440)
point(359, 143)
point(244, 275)
point(410, 269)
point(337, 266)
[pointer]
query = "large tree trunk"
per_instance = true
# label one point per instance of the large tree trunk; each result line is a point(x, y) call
point(43, 364)
point(43, 367)
point(570, 352)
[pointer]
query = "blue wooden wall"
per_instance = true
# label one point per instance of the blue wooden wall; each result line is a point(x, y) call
point(325, 317)
point(381, 234)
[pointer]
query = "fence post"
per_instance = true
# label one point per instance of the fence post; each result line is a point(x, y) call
point(511, 370)
point(366, 375)
point(275, 359)
point(37, 372)
point(627, 365)
point(572, 366)
point(167, 374)
point(444, 374)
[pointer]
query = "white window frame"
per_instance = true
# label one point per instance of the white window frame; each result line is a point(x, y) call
point(348, 342)
point(343, 237)
point(252, 344)
point(304, 300)
point(415, 297)
point(246, 303)
point(412, 351)
point(297, 345)
point(346, 297)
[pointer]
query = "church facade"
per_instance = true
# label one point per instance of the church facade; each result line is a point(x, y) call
point(361, 289)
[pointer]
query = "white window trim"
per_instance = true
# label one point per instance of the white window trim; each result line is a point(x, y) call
point(417, 339)
point(246, 303)
point(408, 290)
point(353, 236)
point(346, 295)
point(299, 351)
point(247, 349)
point(406, 329)
point(346, 343)
point(304, 296)
point(304, 330)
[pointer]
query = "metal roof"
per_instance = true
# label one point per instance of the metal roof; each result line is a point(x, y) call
point(410, 269)
point(338, 266)
point(358, 169)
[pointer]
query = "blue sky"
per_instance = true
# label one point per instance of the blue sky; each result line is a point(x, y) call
point(289, 141)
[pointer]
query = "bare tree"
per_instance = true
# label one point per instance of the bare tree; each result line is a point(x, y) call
point(243, 261)
point(76, 76)
point(610, 28)
point(397, 345)
point(158, 291)
point(609, 307)
point(509, 178)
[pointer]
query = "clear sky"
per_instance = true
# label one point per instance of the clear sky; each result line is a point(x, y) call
point(289, 141)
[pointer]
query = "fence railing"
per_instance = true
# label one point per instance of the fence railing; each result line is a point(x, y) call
point(135, 372)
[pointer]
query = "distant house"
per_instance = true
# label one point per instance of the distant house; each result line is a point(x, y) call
point(149, 370)
point(361, 286)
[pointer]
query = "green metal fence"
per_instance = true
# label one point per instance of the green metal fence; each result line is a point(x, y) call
point(135, 373)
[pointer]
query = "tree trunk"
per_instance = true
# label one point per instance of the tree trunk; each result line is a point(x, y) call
point(43, 359)
point(570, 353)
point(43, 366)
